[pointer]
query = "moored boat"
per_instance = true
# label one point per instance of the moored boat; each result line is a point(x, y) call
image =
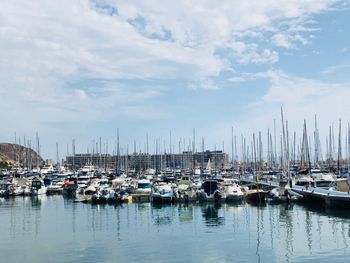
point(232, 191)
point(210, 191)
point(70, 187)
point(163, 192)
point(38, 187)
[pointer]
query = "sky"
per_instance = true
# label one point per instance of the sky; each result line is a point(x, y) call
point(81, 69)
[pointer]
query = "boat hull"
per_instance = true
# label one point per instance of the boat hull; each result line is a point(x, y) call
point(324, 197)
point(234, 198)
point(156, 198)
point(256, 196)
point(215, 197)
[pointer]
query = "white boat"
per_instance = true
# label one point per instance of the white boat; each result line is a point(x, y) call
point(90, 190)
point(163, 192)
point(103, 184)
point(232, 191)
point(88, 171)
point(38, 187)
point(316, 178)
point(150, 174)
point(12, 189)
point(328, 197)
point(177, 173)
point(196, 183)
point(46, 170)
point(168, 175)
point(118, 182)
point(144, 186)
point(9, 187)
point(197, 171)
point(24, 190)
point(84, 175)
point(207, 170)
point(24, 187)
point(55, 186)
point(323, 179)
point(185, 190)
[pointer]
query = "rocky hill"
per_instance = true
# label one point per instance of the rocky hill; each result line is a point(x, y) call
point(10, 153)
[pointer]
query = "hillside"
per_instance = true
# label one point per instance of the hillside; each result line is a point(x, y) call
point(10, 152)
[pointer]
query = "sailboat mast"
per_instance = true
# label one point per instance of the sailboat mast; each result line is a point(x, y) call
point(232, 147)
point(193, 148)
point(284, 142)
point(118, 153)
point(254, 152)
point(57, 155)
point(275, 145)
point(339, 147)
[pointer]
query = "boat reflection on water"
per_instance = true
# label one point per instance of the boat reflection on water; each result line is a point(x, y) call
point(36, 201)
point(340, 212)
point(185, 212)
point(211, 216)
point(142, 232)
point(257, 204)
point(163, 214)
point(143, 206)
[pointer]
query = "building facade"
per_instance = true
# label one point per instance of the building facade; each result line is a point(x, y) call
point(141, 161)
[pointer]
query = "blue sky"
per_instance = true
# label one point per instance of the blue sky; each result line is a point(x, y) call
point(82, 69)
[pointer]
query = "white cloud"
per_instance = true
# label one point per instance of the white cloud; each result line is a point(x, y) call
point(250, 54)
point(81, 94)
point(78, 40)
point(336, 68)
point(246, 76)
point(301, 98)
point(204, 85)
point(75, 60)
point(295, 91)
point(281, 40)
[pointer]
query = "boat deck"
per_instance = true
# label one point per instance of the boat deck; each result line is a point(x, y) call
point(330, 197)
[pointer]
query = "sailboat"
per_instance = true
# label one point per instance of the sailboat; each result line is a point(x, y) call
point(255, 194)
point(284, 192)
point(207, 170)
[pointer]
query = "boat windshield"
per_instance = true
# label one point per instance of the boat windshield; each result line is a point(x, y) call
point(210, 187)
point(144, 185)
point(36, 184)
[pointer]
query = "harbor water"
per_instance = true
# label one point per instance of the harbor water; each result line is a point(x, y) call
point(55, 229)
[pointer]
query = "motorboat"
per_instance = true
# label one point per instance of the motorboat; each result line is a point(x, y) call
point(163, 192)
point(169, 175)
point(100, 197)
point(232, 191)
point(47, 170)
point(144, 186)
point(150, 174)
point(55, 186)
point(185, 190)
point(87, 171)
point(210, 191)
point(70, 187)
point(38, 187)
